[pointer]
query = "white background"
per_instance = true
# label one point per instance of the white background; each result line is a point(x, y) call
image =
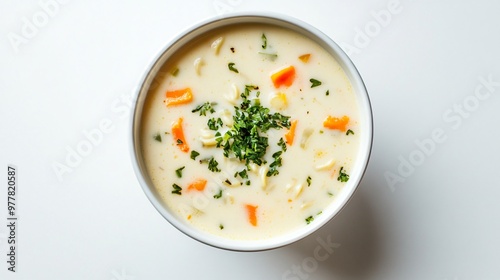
point(82, 61)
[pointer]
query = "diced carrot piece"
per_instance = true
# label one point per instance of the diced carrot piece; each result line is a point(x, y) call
point(305, 57)
point(178, 134)
point(178, 97)
point(290, 135)
point(283, 77)
point(198, 185)
point(252, 214)
point(336, 123)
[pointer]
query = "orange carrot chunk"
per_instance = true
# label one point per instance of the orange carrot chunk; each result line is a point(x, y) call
point(305, 57)
point(178, 97)
point(198, 185)
point(252, 214)
point(178, 134)
point(283, 77)
point(336, 123)
point(291, 133)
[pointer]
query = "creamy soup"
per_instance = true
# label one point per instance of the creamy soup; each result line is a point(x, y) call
point(250, 132)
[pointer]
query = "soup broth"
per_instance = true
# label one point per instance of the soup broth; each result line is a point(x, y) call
point(250, 131)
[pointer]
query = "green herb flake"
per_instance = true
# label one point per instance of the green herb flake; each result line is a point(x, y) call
point(264, 41)
point(178, 172)
point(194, 154)
point(177, 189)
point(221, 226)
point(273, 167)
point(314, 83)
point(218, 195)
point(232, 68)
point(309, 219)
point(330, 194)
point(175, 72)
point(272, 56)
point(212, 165)
point(282, 144)
point(179, 142)
point(327, 92)
point(349, 132)
point(214, 124)
point(319, 213)
point(243, 174)
point(157, 137)
point(343, 177)
point(309, 179)
point(204, 108)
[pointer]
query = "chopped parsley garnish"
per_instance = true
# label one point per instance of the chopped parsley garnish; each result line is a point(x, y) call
point(174, 72)
point(327, 92)
point(232, 68)
point(282, 144)
point(343, 177)
point(309, 219)
point(218, 195)
point(309, 179)
point(264, 41)
point(214, 124)
point(246, 140)
point(349, 132)
point(273, 167)
point(232, 49)
point(319, 213)
point(228, 182)
point(157, 137)
point(221, 226)
point(179, 142)
point(243, 174)
point(204, 108)
point(272, 56)
point(177, 189)
point(178, 172)
point(194, 154)
point(248, 89)
point(212, 165)
point(314, 83)
point(330, 194)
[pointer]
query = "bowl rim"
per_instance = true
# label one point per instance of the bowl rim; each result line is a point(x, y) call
point(272, 18)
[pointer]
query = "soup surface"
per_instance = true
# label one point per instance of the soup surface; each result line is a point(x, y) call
point(250, 132)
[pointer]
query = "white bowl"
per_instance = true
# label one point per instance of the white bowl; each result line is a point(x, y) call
point(357, 171)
